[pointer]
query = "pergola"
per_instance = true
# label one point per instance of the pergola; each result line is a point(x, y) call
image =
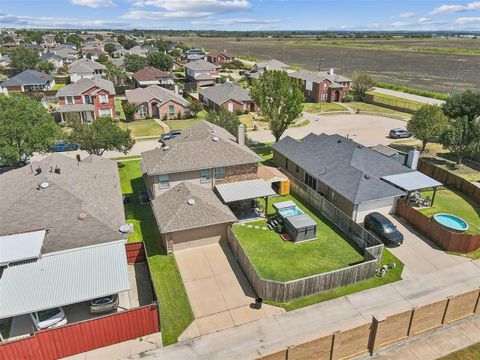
point(412, 181)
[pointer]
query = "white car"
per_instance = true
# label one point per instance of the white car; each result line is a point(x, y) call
point(49, 318)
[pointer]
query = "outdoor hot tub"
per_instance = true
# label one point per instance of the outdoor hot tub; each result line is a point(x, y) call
point(298, 225)
point(451, 222)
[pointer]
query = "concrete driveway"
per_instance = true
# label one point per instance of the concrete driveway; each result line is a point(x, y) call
point(368, 130)
point(220, 295)
point(419, 254)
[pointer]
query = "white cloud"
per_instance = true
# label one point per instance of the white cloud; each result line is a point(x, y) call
point(424, 21)
point(467, 20)
point(407, 15)
point(448, 9)
point(235, 21)
point(94, 3)
point(399, 24)
point(57, 22)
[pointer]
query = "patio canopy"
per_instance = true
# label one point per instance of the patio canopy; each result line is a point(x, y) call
point(244, 190)
point(20, 247)
point(411, 181)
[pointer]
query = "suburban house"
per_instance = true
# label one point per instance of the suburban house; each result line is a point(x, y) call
point(94, 51)
point(85, 68)
point(141, 50)
point(200, 182)
point(29, 81)
point(119, 50)
point(259, 68)
point(39, 49)
point(55, 59)
point(68, 53)
point(195, 54)
point(228, 95)
point(201, 72)
point(355, 178)
point(152, 76)
point(5, 61)
point(220, 57)
point(60, 235)
point(322, 86)
point(157, 102)
point(87, 99)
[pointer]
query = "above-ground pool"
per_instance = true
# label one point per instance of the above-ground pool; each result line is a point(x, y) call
point(291, 211)
point(451, 222)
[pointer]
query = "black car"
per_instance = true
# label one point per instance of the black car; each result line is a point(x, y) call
point(399, 134)
point(171, 134)
point(383, 228)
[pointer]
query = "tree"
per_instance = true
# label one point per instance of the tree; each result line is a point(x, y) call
point(59, 38)
point(110, 48)
point(160, 60)
point(279, 99)
point(100, 136)
point(22, 59)
point(361, 84)
point(134, 62)
point(115, 74)
point(129, 43)
point(462, 137)
point(195, 107)
point(99, 37)
point(465, 104)
point(46, 66)
point(225, 119)
point(130, 109)
point(428, 122)
point(25, 128)
point(75, 39)
point(36, 37)
point(103, 59)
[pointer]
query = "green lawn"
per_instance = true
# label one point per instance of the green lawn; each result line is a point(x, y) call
point(119, 108)
point(248, 119)
point(143, 127)
point(265, 151)
point(58, 86)
point(470, 353)
point(370, 108)
point(181, 124)
point(456, 203)
point(279, 260)
point(316, 108)
point(391, 276)
point(5, 325)
point(175, 311)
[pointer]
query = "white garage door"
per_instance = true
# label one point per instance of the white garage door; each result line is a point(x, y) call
point(384, 206)
point(200, 236)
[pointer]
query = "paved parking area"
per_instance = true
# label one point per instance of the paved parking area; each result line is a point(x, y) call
point(419, 254)
point(220, 294)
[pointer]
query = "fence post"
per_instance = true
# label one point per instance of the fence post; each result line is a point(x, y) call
point(376, 321)
point(476, 309)
point(332, 349)
point(410, 323)
point(446, 310)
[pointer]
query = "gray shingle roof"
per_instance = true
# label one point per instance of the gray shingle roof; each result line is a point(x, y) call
point(28, 77)
point(196, 149)
point(91, 187)
point(349, 168)
point(48, 56)
point(76, 107)
point(173, 212)
point(141, 95)
point(272, 65)
point(199, 65)
point(77, 88)
point(85, 66)
point(219, 94)
point(319, 76)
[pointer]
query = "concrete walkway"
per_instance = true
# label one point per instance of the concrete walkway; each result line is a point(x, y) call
point(399, 94)
point(269, 335)
point(164, 126)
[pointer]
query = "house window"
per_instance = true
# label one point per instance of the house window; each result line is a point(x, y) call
point(103, 99)
point(311, 181)
point(220, 173)
point(171, 110)
point(69, 100)
point(205, 175)
point(142, 111)
point(297, 169)
point(88, 99)
point(105, 112)
point(286, 164)
point(164, 181)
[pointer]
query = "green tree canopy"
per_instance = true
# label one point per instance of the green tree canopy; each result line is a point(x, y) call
point(195, 107)
point(103, 59)
point(225, 119)
point(428, 122)
point(22, 59)
point(25, 128)
point(160, 60)
point(100, 136)
point(134, 62)
point(59, 38)
point(462, 137)
point(465, 104)
point(110, 48)
point(115, 74)
point(361, 84)
point(280, 100)
point(75, 39)
point(129, 43)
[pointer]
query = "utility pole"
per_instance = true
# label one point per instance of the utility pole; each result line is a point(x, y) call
point(320, 63)
point(460, 61)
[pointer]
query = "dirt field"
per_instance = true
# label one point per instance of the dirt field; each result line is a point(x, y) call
point(429, 64)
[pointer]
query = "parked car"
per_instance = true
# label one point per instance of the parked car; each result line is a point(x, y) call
point(62, 146)
point(399, 133)
point(50, 318)
point(171, 134)
point(384, 228)
point(104, 304)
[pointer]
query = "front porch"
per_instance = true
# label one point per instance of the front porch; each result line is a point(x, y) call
point(82, 112)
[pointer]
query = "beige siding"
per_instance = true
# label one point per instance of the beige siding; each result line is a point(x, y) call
point(185, 239)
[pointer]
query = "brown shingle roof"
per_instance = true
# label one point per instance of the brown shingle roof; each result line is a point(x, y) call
point(150, 73)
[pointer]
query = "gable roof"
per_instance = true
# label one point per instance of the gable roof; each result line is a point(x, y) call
point(150, 73)
point(200, 65)
point(173, 211)
point(85, 66)
point(91, 188)
point(141, 95)
point(28, 77)
point(272, 64)
point(202, 146)
point(220, 53)
point(318, 76)
point(219, 94)
point(48, 56)
point(351, 169)
point(82, 85)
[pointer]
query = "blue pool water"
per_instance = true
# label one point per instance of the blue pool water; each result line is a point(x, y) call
point(452, 222)
point(288, 212)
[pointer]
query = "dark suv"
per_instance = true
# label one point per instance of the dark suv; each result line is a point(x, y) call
point(171, 134)
point(383, 228)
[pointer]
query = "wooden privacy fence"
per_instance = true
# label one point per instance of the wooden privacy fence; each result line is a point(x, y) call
point(135, 252)
point(84, 336)
point(382, 331)
point(394, 104)
point(448, 240)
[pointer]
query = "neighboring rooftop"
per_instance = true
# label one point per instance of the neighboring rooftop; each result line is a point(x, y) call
point(220, 53)
point(272, 64)
point(150, 73)
point(385, 150)
point(28, 77)
point(200, 65)
point(219, 94)
point(318, 76)
point(85, 66)
point(202, 146)
point(82, 85)
point(48, 56)
point(142, 95)
point(81, 206)
point(188, 206)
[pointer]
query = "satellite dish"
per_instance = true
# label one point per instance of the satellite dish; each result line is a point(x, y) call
point(126, 228)
point(191, 202)
point(44, 185)
point(215, 138)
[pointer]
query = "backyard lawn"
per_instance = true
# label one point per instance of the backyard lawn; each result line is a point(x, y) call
point(248, 119)
point(316, 108)
point(143, 127)
point(374, 109)
point(470, 353)
point(181, 124)
point(279, 260)
point(119, 108)
point(455, 203)
point(175, 311)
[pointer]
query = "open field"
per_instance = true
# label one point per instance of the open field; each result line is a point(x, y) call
point(429, 64)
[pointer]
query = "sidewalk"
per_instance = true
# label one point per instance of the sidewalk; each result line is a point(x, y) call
point(418, 98)
point(269, 335)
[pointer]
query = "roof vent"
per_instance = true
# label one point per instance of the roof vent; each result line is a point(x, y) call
point(82, 216)
point(359, 146)
point(166, 147)
point(57, 170)
point(366, 176)
point(191, 202)
point(339, 141)
point(38, 170)
point(44, 185)
point(215, 138)
point(126, 228)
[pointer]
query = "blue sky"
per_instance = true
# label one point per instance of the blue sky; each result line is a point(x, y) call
point(244, 14)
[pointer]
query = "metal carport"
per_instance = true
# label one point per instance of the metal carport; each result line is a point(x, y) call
point(412, 181)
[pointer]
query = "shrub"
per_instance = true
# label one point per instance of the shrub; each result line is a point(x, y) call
point(179, 115)
point(238, 112)
point(165, 117)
